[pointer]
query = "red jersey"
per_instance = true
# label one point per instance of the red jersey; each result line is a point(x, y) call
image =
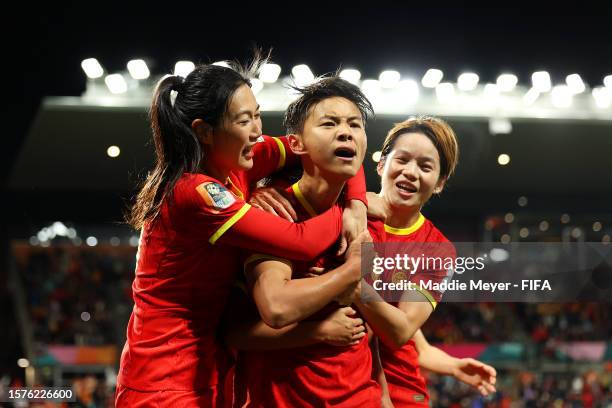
point(407, 387)
point(320, 375)
point(186, 264)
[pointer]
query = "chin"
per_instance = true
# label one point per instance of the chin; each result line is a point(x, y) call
point(244, 164)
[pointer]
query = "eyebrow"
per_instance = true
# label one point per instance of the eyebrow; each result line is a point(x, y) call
point(424, 158)
point(335, 117)
point(247, 111)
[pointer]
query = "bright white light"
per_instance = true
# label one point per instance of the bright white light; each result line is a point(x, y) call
point(222, 64)
point(499, 255)
point(432, 78)
point(541, 81)
point(183, 68)
point(445, 92)
point(506, 82)
point(500, 126)
point(351, 75)
point(509, 218)
point(116, 83)
point(491, 91)
point(269, 73)
point(389, 79)
point(524, 232)
point(85, 316)
point(531, 96)
point(561, 96)
point(138, 69)
point(92, 68)
point(409, 90)
point(503, 159)
point(113, 151)
point(371, 87)
point(91, 241)
point(467, 81)
point(608, 81)
point(602, 97)
point(302, 75)
point(23, 363)
point(575, 83)
point(59, 228)
point(134, 241)
point(522, 201)
point(576, 233)
point(376, 156)
point(71, 233)
point(256, 85)
point(42, 236)
point(597, 226)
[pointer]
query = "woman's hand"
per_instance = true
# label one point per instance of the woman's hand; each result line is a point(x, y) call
point(341, 329)
point(354, 221)
point(477, 374)
point(272, 200)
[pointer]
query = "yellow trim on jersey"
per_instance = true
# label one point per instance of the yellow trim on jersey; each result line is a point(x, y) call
point(264, 257)
point(406, 231)
point(229, 223)
point(300, 197)
point(235, 189)
point(427, 295)
point(283, 153)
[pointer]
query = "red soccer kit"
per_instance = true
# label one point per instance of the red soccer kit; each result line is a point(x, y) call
point(320, 375)
point(407, 386)
point(186, 264)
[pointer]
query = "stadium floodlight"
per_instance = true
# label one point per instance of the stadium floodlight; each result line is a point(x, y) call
point(183, 68)
point(389, 78)
point(491, 91)
point(409, 90)
point(222, 64)
point(376, 156)
point(302, 75)
point(116, 83)
point(603, 98)
point(256, 85)
point(370, 86)
point(445, 92)
point(506, 82)
point(138, 69)
point(531, 96)
point(432, 78)
point(269, 73)
point(503, 159)
point(351, 75)
point(92, 68)
point(561, 96)
point(113, 151)
point(468, 81)
point(500, 126)
point(541, 81)
point(23, 363)
point(91, 241)
point(608, 81)
point(575, 83)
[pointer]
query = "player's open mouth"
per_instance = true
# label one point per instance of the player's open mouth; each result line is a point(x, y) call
point(406, 188)
point(345, 153)
point(248, 151)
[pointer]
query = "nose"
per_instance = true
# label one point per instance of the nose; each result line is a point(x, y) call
point(410, 170)
point(256, 130)
point(345, 132)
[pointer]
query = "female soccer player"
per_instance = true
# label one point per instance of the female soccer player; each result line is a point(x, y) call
point(194, 217)
point(417, 158)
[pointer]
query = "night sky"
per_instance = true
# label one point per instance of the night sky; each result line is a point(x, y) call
point(46, 44)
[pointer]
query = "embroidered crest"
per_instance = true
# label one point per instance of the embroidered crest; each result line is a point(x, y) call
point(215, 195)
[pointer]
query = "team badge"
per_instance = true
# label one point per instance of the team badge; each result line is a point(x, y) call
point(215, 195)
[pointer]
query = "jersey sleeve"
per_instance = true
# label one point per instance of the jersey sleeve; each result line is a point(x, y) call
point(356, 187)
point(438, 260)
point(269, 155)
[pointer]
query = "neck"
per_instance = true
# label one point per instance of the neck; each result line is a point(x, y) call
point(400, 217)
point(208, 168)
point(321, 192)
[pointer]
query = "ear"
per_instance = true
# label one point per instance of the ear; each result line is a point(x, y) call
point(203, 131)
point(439, 186)
point(296, 144)
point(380, 167)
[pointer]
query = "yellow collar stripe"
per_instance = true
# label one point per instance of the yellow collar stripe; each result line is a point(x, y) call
point(229, 223)
point(406, 231)
point(235, 189)
point(283, 153)
point(300, 197)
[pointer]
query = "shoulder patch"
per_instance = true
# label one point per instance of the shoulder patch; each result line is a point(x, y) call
point(215, 195)
point(260, 139)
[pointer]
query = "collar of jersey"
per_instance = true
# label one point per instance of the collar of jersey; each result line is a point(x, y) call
point(302, 200)
point(229, 183)
point(408, 230)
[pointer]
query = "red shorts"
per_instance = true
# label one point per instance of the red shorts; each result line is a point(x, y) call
point(405, 398)
point(129, 398)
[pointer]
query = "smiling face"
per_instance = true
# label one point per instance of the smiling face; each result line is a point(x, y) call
point(229, 146)
point(410, 173)
point(333, 138)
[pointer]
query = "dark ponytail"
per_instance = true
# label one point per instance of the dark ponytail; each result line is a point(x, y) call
point(204, 94)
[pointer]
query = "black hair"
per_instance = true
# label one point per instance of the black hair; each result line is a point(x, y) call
point(323, 88)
